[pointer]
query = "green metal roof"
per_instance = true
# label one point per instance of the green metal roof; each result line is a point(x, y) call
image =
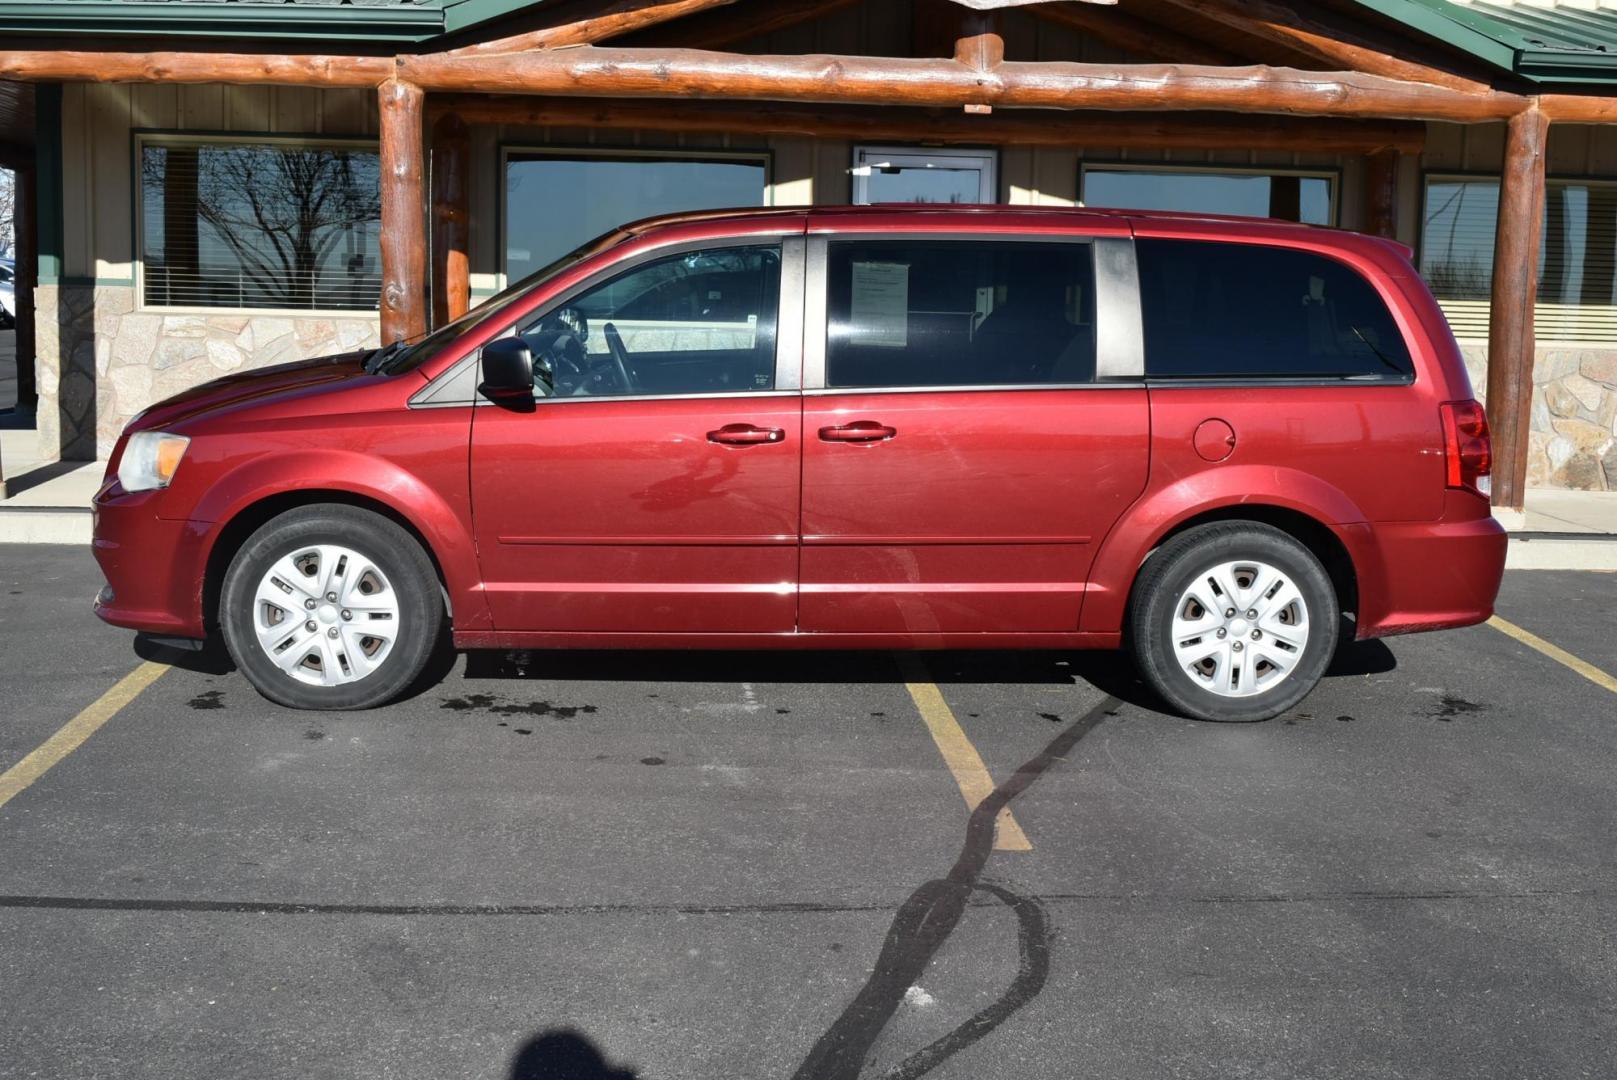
point(1553, 43)
point(382, 22)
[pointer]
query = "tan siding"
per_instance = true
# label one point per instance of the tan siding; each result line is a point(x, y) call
point(76, 181)
point(110, 155)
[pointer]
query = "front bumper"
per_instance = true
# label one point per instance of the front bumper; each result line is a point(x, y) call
point(154, 566)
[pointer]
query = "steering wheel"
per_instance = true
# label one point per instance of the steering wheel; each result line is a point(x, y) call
point(620, 358)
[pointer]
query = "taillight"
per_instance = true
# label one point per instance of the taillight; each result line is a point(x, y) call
point(1467, 448)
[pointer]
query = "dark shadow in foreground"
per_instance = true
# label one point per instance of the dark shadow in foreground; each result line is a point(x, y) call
point(564, 1054)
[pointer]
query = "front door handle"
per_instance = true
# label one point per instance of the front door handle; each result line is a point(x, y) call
point(858, 431)
point(745, 435)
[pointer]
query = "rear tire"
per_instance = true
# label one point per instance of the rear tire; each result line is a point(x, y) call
point(331, 607)
point(1233, 621)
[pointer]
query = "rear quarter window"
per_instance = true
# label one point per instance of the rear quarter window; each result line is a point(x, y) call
point(1216, 310)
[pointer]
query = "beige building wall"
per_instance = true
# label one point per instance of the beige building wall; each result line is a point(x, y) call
point(1573, 438)
point(103, 355)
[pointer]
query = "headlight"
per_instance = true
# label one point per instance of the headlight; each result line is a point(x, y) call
point(150, 460)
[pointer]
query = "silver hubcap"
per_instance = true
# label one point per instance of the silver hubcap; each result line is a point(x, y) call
point(1240, 628)
point(326, 615)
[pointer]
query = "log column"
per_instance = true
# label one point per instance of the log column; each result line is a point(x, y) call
point(451, 219)
point(404, 226)
point(1381, 193)
point(1515, 288)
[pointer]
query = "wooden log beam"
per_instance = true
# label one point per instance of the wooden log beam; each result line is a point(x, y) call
point(1515, 291)
point(33, 65)
point(722, 28)
point(692, 74)
point(451, 218)
point(1123, 131)
point(1131, 34)
point(615, 20)
point(1578, 108)
point(1335, 46)
point(1381, 193)
point(404, 232)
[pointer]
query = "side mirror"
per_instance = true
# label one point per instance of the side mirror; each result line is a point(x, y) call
point(507, 370)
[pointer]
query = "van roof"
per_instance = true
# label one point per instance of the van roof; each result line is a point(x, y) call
point(1167, 221)
point(951, 209)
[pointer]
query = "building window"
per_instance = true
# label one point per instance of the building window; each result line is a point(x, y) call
point(558, 200)
point(262, 224)
point(1577, 289)
point(1287, 194)
point(896, 174)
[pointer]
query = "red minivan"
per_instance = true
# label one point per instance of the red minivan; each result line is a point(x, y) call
point(1220, 443)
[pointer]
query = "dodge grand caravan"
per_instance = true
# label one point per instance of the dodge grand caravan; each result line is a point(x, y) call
point(1217, 443)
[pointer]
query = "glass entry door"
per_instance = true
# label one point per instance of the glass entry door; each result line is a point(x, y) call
point(894, 174)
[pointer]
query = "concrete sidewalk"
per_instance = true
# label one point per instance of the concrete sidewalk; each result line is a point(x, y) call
point(49, 503)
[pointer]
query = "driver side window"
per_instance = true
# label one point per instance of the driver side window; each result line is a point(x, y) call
point(700, 322)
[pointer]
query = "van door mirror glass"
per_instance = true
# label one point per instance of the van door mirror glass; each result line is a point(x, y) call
point(507, 370)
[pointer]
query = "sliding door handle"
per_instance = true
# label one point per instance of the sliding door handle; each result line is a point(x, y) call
point(863, 431)
point(745, 435)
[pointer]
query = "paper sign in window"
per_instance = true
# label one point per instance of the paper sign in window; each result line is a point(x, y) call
point(881, 304)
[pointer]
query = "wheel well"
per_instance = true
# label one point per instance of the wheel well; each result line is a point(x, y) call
point(246, 522)
point(1312, 534)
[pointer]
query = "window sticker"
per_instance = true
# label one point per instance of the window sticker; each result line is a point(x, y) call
point(881, 304)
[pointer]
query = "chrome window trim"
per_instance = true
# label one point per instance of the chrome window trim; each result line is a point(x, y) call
point(1269, 382)
point(814, 311)
point(1117, 308)
point(1113, 384)
point(789, 315)
point(426, 396)
point(1119, 326)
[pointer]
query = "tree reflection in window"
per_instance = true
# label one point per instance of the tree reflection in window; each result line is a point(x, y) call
point(260, 225)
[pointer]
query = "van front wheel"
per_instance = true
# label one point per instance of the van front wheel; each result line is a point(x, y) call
point(1233, 621)
point(331, 607)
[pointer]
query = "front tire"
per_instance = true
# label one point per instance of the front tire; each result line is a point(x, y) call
point(1233, 621)
point(331, 607)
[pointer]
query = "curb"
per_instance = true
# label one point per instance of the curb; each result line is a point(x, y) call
point(1562, 551)
point(1528, 551)
point(45, 525)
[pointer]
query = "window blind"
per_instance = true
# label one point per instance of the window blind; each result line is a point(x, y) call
point(1577, 293)
point(260, 225)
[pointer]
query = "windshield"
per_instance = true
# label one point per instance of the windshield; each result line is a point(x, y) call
point(408, 355)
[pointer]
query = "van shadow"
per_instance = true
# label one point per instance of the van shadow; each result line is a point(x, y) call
point(564, 1054)
point(1107, 671)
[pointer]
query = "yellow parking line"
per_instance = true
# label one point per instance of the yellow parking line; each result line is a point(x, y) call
point(72, 734)
point(1556, 653)
point(959, 754)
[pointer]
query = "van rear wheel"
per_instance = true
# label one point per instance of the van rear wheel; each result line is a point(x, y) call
point(1233, 621)
point(331, 607)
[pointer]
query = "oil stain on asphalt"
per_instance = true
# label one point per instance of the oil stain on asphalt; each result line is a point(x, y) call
point(491, 704)
point(208, 699)
point(1450, 706)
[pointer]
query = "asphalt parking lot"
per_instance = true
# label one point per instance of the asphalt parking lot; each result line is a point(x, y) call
point(745, 865)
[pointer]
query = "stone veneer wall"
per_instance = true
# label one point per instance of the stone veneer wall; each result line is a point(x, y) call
point(117, 361)
point(1573, 440)
point(101, 361)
